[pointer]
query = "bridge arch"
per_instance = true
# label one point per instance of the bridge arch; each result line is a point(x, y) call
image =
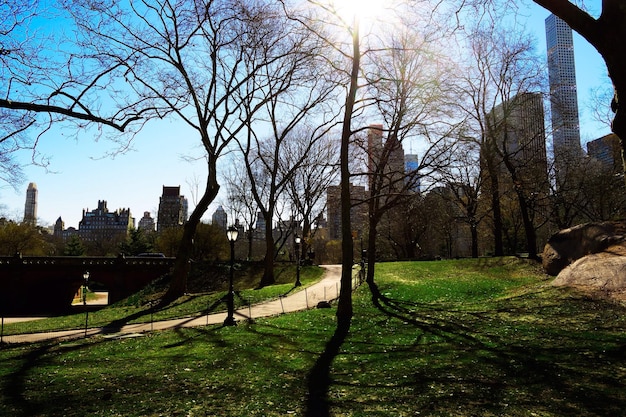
point(48, 284)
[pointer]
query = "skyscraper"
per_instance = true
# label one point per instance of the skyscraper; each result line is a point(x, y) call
point(30, 208)
point(146, 223)
point(608, 151)
point(220, 218)
point(385, 159)
point(358, 211)
point(563, 93)
point(519, 123)
point(411, 168)
point(172, 209)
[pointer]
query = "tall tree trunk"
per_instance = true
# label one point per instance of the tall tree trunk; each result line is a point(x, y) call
point(344, 306)
point(474, 234)
point(250, 241)
point(371, 255)
point(306, 234)
point(178, 284)
point(529, 227)
point(268, 271)
point(619, 121)
point(498, 249)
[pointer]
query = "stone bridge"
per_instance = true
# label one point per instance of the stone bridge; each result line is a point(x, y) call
point(32, 285)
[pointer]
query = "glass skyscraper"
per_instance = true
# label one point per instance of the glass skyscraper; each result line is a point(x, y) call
point(563, 93)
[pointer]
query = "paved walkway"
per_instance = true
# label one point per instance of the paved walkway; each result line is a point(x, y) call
point(326, 289)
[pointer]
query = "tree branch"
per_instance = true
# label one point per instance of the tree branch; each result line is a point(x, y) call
point(579, 20)
point(47, 108)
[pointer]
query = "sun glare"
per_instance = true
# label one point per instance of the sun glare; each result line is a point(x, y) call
point(363, 9)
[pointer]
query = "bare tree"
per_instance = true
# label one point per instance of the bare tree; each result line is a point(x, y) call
point(507, 118)
point(593, 192)
point(409, 88)
point(351, 52)
point(38, 81)
point(18, 67)
point(127, 63)
point(240, 199)
point(293, 92)
point(272, 164)
point(308, 185)
point(186, 61)
point(464, 179)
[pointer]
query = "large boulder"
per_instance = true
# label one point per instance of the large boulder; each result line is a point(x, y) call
point(571, 244)
point(600, 273)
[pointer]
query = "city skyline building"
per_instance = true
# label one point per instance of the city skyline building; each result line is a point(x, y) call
point(220, 218)
point(374, 149)
point(30, 206)
point(608, 151)
point(521, 137)
point(146, 223)
point(563, 90)
point(173, 208)
point(358, 211)
point(385, 158)
point(411, 168)
point(101, 224)
point(259, 230)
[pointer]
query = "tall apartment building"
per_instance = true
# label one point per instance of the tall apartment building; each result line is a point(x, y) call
point(358, 212)
point(259, 230)
point(101, 224)
point(608, 151)
point(173, 209)
point(384, 158)
point(563, 92)
point(146, 223)
point(220, 218)
point(520, 133)
point(30, 207)
point(59, 227)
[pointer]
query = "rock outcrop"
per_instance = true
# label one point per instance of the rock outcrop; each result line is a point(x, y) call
point(591, 257)
point(571, 244)
point(603, 272)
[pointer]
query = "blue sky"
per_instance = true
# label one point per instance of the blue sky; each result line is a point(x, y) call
point(81, 173)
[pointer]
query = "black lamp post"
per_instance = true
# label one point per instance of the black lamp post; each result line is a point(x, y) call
point(84, 291)
point(232, 234)
point(297, 242)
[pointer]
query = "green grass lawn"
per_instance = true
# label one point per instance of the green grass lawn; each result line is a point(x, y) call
point(448, 338)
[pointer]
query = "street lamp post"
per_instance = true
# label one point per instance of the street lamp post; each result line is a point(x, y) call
point(297, 240)
point(84, 291)
point(232, 234)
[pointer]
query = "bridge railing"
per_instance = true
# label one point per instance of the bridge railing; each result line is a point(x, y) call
point(85, 261)
point(47, 284)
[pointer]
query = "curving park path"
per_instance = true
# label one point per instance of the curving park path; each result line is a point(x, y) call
point(327, 289)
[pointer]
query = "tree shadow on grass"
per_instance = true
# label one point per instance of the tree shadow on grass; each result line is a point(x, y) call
point(115, 326)
point(16, 385)
point(319, 380)
point(483, 357)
